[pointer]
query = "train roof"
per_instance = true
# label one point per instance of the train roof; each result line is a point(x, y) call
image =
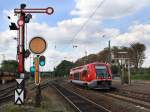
point(94, 63)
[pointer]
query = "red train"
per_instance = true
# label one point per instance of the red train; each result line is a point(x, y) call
point(94, 75)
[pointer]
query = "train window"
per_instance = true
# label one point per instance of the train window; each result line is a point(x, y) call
point(101, 71)
point(77, 76)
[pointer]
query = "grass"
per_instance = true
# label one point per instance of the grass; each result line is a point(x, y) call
point(14, 108)
point(145, 76)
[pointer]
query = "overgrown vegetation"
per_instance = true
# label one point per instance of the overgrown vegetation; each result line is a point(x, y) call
point(142, 74)
point(9, 66)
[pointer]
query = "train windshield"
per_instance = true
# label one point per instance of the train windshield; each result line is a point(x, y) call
point(101, 72)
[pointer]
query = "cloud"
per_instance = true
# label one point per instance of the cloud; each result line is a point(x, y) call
point(65, 30)
point(7, 43)
point(109, 9)
point(92, 38)
point(135, 33)
point(10, 13)
point(91, 41)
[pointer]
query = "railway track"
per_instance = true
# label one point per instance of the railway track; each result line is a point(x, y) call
point(7, 94)
point(5, 88)
point(135, 95)
point(137, 98)
point(10, 89)
point(128, 94)
point(6, 98)
point(91, 93)
point(80, 103)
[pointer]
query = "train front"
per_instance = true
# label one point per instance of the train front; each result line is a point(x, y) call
point(102, 76)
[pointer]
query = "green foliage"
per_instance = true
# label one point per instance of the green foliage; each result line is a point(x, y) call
point(9, 65)
point(145, 76)
point(63, 68)
point(141, 74)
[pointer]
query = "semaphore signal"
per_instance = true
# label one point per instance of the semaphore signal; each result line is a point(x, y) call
point(24, 15)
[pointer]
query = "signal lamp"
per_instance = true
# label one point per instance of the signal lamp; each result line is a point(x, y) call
point(27, 18)
point(27, 53)
point(32, 69)
point(42, 60)
point(20, 22)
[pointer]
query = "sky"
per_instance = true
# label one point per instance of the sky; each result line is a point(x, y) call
point(78, 22)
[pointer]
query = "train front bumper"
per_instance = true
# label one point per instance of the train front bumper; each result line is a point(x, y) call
point(100, 84)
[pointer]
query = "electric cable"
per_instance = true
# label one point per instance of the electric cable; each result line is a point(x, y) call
point(85, 23)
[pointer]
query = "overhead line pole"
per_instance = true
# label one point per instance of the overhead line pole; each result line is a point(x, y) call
point(109, 56)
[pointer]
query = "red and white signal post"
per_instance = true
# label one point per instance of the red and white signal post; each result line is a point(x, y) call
point(24, 17)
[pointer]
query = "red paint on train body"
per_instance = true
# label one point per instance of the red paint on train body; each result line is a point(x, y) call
point(94, 75)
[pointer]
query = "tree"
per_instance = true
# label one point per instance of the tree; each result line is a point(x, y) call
point(81, 61)
point(63, 68)
point(9, 66)
point(87, 59)
point(103, 55)
point(137, 54)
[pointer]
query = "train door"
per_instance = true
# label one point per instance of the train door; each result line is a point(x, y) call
point(84, 75)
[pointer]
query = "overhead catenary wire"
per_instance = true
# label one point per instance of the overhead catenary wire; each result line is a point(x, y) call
point(85, 23)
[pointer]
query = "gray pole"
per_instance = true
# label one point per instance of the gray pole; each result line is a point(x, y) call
point(109, 56)
point(129, 73)
point(85, 61)
point(122, 72)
